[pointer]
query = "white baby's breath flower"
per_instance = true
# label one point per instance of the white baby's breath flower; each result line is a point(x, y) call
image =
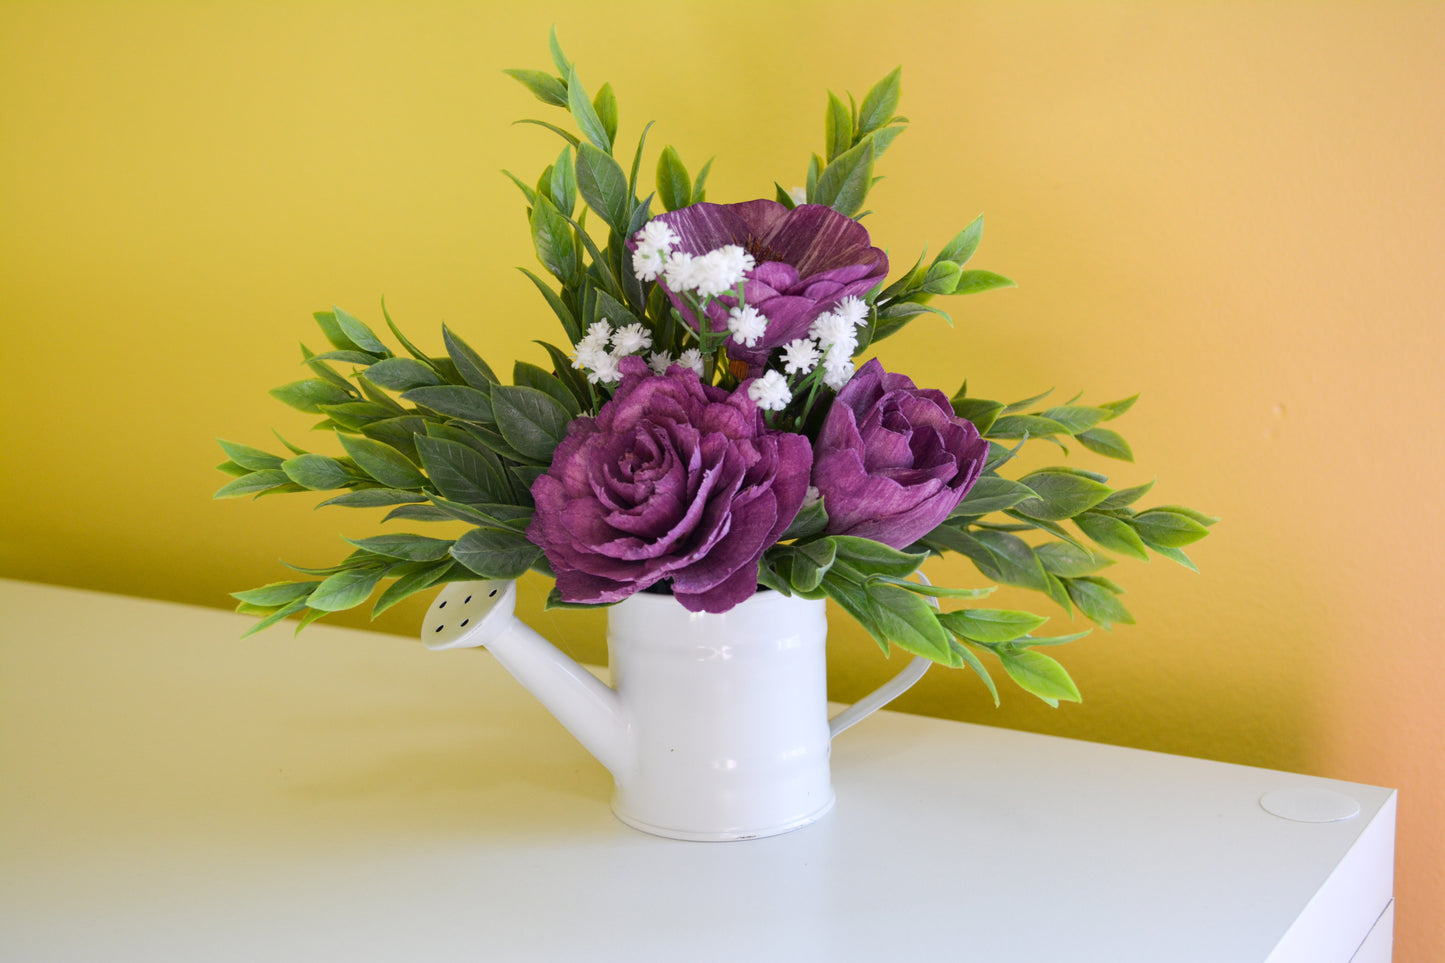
point(829, 329)
point(691, 358)
point(654, 242)
point(631, 339)
point(852, 310)
point(812, 496)
point(721, 270)
point(587, 357)
point(597, 335)
point(837, 372)
point(798, 195)
point(605, 371)
point(660, 361)
point(747, 324)
point(800, 356)
point(681, 271)
point(771, 391)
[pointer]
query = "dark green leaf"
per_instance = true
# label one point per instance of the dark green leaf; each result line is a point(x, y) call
point(317, 472)
point(811, 519)
point(553, 239)
point(604, 187)
point(418, 580)
point(1018, 406)
point(374, 498)
point(359, 334)
point(531, 376)
point(1019, 426)
point(568, 136)
point(356, 415)
point(875, 558)
point(1060, 494)
point(1112, 533)
point(1094, 599)
point(1069, 560)
point(310, 394)
point(460, 473)
point(844, 183)
point(247, 457)
point(495, 552)
point(346, 589)
point(674, 187)
point(1125, 497)
point(569, 322)
point(564, 182)
point(531, 421)
point(405, 546)
point(383, 462)
point(993, 494)
point(253, 484)
point(880, 103)
point(605, 104)
point(1075, 418)
point(400, 374)
point(837, 127)
point(980, 412)
point(454, 401)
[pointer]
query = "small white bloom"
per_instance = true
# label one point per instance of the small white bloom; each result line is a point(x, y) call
point(587, 357)
point(830, 329)
point(812, 496)
point(605, 370)
point(721, 270)
point(853, 311)
point(660, 361)
point(631, 339)
point(837, 372)
point(654, 242)
point(800, 356)
point(798, 195)
point(681, 271)
point(771, 391)
point(597, 335)
point(648, 263)
point(747, 324)
point(657, 233)
point(691, 358)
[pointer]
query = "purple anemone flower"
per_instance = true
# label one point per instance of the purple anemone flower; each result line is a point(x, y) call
point(808, 259)
point(672, 480)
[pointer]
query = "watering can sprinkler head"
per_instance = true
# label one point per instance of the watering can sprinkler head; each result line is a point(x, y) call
point(466, 615)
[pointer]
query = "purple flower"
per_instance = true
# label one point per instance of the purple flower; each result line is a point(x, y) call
point(671, 480)
point(893, 459)
point(808, 259)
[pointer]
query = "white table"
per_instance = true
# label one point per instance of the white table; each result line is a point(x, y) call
point(170, 793)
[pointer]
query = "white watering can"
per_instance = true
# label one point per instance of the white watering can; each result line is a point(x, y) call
point(717, 726)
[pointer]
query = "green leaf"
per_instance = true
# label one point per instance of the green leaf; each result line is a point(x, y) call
point(495, 552)
point(531, 421)
point(1107, 442)
point(1176, 555)
point(1005, 558)
point(1060, 495)
point(991, 625)
point(941, 278)
point(276, 593)
point(1164, 528)
point(374, 498)
point(546, 88)
point(563, 66)
point(674, 187)
point(992, 493)
point(933, 591)
point(586, 115)
point(1019, 426)
point(1125, 497)
point(1075, 418)
point(553, 239)
point(276, 616)
point(1117, 408)
point(383, 462)
point(1185, 510)
point(408, 547)
point(346, 589)
point(356, 415)
point(811, 519)
point(1095, 599)
point(1069, 560)
point(569, 322)
point(310, 394)
point(1039, 675)
point(564, 182)
point(909, 622)
point(1018, 406)
point(568, 136)
point(980, 412)
point(253, 484)
point(531, 376)
point(461, 473)
point(317, 472)
point(875, 558)
point(400, 374)
point(844, 183)
point(837, 127)
point(699, 192)
point(880, 103)
point(972, 661)
point(605, 104)
point(811, 562)
point(964, 244)
point(359, 334)
point(1112, 533)
point(247, 457)
point(410, 583)
point(603, 186)
point(454, 401)
point(975, 282)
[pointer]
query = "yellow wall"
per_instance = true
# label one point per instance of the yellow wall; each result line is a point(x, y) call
point(1234, 209)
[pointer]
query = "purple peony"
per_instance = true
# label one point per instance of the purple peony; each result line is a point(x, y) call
point(671, 480)
point(893, 459)
point(808, 259)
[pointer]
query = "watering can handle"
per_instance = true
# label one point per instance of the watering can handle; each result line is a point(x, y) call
point(886, 692)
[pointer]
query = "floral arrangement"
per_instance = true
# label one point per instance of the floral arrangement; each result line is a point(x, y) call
point(709, 429)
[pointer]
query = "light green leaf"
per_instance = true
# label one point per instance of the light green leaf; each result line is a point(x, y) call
point(1106, 442)
point(1019, 426)
point(991, 625)
point(546, 88)
point(605, 104)
point(359, 334)
point(909, 622)
point(1112, 533)
point(880, 103)
point(992, 493)
point(408, 547)
point(1163, 528)
point(1069, 560)
point(410, 583)
point(1060, 495)
point(317, 472)
point(1039, 675)
point(964, 244)
point(975, 282)
point(346, 589)
point(275, 594)
point(564, 182)
point(875, 558)
point(1096, 600)
point(844, 183)
point(837, 127)
point(252, 458)
point(253, 483)
point(586, 115)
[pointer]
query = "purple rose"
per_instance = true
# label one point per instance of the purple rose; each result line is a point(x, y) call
point(808, 259)
point(672, 480)
point(893, 459)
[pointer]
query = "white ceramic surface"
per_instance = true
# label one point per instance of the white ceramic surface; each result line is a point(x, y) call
point(717, 728)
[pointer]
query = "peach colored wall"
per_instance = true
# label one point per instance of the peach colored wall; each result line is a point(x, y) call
point(1234, 209)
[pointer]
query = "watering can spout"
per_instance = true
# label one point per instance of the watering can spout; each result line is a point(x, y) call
point(481, 613)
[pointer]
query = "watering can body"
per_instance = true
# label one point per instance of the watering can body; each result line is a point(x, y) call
point(716, 725)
